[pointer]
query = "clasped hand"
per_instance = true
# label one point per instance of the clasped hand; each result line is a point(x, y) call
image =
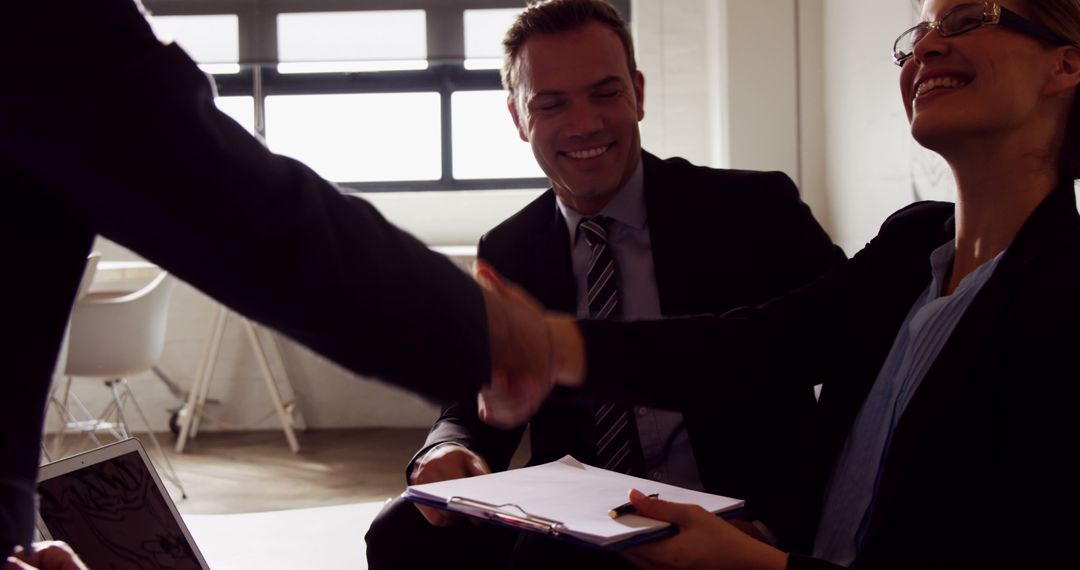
point(522, 352)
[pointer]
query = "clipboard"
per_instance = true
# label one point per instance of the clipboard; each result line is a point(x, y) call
point(581, 494)
point(502, 515)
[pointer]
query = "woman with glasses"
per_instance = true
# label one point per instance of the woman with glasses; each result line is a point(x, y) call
point(949, 346)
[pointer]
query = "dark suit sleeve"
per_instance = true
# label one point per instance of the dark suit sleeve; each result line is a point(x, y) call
point(46, 259)
point(459, 422)
point(127, 143)
point(803, 250)
point(162, 172)
point(798, 337)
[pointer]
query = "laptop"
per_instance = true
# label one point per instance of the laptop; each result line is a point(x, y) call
point(110, 505)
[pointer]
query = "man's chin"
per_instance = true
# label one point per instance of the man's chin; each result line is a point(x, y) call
point(586, 198)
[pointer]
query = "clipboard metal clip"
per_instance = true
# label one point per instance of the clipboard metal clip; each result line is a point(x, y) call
point(503, 514)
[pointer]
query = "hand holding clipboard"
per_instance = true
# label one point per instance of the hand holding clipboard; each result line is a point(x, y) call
point(564, 499)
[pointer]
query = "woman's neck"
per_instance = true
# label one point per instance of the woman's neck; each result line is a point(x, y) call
point(995, 196)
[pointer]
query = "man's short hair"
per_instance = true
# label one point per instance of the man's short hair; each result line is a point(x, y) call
point(555, 16)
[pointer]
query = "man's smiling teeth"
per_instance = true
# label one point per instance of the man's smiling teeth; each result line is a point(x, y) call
point(588, 153)
point(936, 82)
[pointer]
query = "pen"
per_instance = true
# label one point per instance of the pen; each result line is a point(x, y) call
point(626, 508)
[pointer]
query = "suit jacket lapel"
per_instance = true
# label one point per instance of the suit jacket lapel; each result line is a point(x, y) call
point(666, 233)
point(965, 361)
point(554, 286)
point(957, 369)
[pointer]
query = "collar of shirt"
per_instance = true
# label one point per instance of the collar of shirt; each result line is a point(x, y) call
point(941, 264)
point(627, 207)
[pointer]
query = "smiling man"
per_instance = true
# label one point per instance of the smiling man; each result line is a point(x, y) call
point(620, 234)
point(576, 98)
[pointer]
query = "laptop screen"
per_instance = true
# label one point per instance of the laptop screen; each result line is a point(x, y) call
point(115, 516)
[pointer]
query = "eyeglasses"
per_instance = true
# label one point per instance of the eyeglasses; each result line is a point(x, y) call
point(967, 17)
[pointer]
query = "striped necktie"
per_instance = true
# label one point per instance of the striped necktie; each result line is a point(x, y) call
point(617, 445)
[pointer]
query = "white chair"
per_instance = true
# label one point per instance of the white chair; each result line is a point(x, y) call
point(115, 336)
point(61, 360)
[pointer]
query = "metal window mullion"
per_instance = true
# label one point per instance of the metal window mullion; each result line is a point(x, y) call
point(445, 34)
point(260, 101)
point(264, 53)
point(446, 134)
point(453, 185)
point(436, 79)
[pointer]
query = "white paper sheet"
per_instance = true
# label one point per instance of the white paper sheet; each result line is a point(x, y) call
point(577, 495)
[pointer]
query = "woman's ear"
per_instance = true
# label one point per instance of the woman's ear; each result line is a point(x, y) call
point(1066, 72)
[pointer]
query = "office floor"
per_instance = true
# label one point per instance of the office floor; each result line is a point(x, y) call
point(237, 472)
point(255, 471)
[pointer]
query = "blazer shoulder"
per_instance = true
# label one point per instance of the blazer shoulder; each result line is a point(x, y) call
point(680, 175)
point(918, 217)
point(506, 237)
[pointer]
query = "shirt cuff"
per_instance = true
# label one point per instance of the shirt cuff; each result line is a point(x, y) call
point(765, 532)
point(17, 498)
point(420, 456)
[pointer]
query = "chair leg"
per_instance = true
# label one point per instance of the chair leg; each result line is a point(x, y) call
point(66, 416)
point(170, 472)
point(275, 396)
point(211, 356)
point(294, 412)
point(58, 439)
point(69, 421)
point(118, 403)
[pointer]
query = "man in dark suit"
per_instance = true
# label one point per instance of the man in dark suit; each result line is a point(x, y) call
point(143, 157)
point(684, 240)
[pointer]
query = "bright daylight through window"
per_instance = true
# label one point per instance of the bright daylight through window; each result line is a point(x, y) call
point(372, 94)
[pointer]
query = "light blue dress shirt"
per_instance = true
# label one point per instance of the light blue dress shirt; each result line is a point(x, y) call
point(851, 489)
point(664, 442)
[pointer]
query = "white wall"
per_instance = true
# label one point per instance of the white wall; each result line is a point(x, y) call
point(802, 86)
point(725, 86)
point(811, 107)
point(674, 50)
point(867, 144)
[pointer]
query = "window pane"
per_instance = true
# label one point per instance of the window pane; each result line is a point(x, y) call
point(359, 138)
point(486, 143)
point(484, 31)
point(241, 109)
point(371, 40)
point(212, 41)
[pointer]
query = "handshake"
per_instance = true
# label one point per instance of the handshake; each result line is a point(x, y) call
point(531, 351)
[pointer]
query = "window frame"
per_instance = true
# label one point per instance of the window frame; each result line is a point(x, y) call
point(446, 73)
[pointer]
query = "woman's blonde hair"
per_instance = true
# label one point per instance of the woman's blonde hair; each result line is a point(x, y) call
point(1063, 18)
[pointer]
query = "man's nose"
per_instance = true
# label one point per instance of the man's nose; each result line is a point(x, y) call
point(583, 119)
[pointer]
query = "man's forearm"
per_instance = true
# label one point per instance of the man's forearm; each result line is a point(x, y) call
point(164, 173)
